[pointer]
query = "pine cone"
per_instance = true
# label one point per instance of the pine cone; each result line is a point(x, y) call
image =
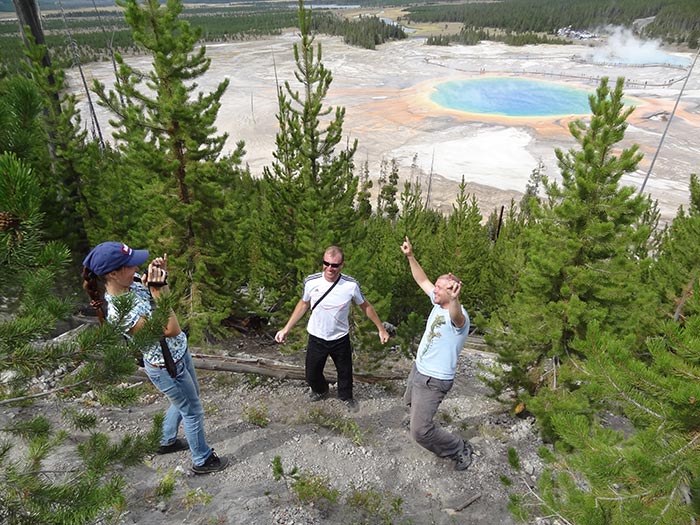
point(8, 221)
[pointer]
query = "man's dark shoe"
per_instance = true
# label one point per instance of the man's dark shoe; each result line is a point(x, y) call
point(463, 458)
point(352, 404)
point(213, 463)
point(316, 396)
point(176, 446)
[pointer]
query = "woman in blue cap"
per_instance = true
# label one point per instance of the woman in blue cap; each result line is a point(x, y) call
point(109, 271)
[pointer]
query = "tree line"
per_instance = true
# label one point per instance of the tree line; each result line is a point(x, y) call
point(82, 37)
point(473, 36)
point(590, 304)
point(366, 31)
point(676, 21)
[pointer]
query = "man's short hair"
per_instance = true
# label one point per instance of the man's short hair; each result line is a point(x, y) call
point(450, 277)
point(335, 250)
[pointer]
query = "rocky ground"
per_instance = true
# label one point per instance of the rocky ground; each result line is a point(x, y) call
point(380, 475)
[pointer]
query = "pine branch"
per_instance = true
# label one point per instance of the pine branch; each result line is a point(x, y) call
point(668, 503)
point(543, 502)
point(621, 498)
point(680, 451)
point(600, 270)
point(37, 472)
point(41, 394)
point(632, 401)
point(576, 365)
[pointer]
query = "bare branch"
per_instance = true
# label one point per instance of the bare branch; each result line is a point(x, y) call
point(41, 394)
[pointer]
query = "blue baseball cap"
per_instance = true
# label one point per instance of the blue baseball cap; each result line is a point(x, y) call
point(110, 256)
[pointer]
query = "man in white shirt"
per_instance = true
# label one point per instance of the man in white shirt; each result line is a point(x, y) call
point(328, 294)
point(433, 372)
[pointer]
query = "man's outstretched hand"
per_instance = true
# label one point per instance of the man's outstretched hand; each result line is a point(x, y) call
point(406, 247)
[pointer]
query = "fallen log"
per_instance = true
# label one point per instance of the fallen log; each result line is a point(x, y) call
point(277, 369)
point(254, 365)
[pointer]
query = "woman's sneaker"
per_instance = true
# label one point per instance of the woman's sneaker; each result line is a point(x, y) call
point(463, 458)
point(213, 463)
point(176, 446)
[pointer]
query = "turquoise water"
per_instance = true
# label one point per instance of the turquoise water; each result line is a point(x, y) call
point(512, 97)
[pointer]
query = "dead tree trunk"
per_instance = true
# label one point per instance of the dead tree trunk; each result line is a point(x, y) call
point(268, 367)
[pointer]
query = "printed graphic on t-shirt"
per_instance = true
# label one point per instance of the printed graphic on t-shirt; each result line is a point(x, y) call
point(434, 333)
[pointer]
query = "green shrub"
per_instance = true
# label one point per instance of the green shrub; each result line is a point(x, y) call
point(513, 458)
point(256, 415)
point(166, 486)
point(342, 425)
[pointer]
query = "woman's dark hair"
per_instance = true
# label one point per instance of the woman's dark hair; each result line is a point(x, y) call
point(94, 286)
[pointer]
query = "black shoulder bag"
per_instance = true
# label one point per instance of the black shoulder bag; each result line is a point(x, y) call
point(327, 292)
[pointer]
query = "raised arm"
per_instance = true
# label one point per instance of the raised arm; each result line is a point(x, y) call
point(456, 315)
point(416, 270)
point(299, 311)
point(156, 279)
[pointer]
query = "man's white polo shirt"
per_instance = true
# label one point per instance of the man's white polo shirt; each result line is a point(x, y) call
point(329, 320)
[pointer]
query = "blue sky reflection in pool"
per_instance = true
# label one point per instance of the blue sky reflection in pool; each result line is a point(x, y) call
point(512, 97)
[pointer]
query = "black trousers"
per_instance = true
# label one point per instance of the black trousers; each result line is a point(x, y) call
point(340, 351)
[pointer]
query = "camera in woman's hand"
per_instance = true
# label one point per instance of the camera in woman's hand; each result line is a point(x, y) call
point(157, 277)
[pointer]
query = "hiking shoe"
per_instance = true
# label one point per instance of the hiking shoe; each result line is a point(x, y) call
point(463, 458)
point(352, 404)
point(318, 396)
point(213, 463)
point(176, 446)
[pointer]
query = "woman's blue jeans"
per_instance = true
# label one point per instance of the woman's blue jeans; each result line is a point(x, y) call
point(185, 406)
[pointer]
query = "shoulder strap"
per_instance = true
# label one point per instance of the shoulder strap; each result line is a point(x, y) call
point(168, 358)
point(327, 292)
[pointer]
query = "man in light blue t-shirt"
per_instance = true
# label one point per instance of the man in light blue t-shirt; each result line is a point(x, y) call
point(433, 372)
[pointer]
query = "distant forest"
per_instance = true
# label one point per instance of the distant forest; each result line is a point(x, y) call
point(7, 5)
point(85, 35)
point(676, 21)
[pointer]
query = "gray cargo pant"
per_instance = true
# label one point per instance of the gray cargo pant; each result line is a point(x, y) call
point(424, 395)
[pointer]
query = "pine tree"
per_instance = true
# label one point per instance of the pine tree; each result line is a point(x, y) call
point(364, 206)
point(388, 188)
point(500, 272)
point(676, 268)
point(646, 473)
point(43, 127)
point(310, 188)
point(532, 189)
point(580, 264)
point(21, 131)
point(183, 190)
point(467, 243)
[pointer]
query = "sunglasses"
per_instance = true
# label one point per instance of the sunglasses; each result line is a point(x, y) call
point(332, 265)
